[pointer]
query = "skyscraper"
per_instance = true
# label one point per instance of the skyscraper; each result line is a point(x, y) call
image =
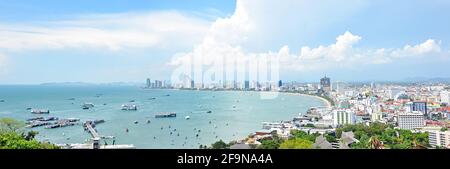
point(149, 83)
point(280, 83)
point(325, 84)
point(246, 85)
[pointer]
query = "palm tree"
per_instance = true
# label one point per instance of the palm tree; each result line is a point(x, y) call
point(375, 143)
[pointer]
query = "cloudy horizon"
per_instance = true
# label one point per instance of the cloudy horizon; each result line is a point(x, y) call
point(107, 42)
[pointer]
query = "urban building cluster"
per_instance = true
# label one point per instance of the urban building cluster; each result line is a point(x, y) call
point(418, 107)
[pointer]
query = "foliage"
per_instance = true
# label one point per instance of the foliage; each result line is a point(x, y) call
point(379, 135)
point(12, 140)
point(13, 137)
point(296, 143)
point(220, 145)
point(10, 125)
point(303, 135)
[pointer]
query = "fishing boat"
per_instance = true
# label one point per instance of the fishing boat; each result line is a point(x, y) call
point(165, 115)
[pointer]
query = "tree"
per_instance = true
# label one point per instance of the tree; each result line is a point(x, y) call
point(375, 143)
point(270, 144)
point(296, 143)
point(9, 124)
point(219, 145)
point(12, 140)
point(13, 137)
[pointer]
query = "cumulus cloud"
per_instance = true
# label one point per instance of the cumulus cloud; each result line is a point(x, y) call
point(227, 36)
point(108, 31)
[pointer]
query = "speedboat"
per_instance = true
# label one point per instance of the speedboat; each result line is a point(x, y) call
point(129, 107)
point(87, 106)
point(187, 117)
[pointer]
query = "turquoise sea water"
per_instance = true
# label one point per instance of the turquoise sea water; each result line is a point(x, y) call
point(227, 123)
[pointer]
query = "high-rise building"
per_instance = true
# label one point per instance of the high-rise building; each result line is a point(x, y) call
point(325, 84)
point(420, 106)
point(342, 117)
point(411, 120)
point(280, 83)
point(247, 85)
point(149, 83)
point(439, 138)
point(192, 84)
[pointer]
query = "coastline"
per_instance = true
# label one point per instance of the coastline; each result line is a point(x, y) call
point(328, 103)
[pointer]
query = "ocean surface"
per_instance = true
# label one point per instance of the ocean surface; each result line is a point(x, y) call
point(235, 114)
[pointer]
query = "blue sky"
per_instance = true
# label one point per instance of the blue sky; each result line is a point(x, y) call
point(118, 40)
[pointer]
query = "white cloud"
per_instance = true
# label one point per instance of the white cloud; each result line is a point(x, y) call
point(109, 31)
point(228, 37)
point(429, 46)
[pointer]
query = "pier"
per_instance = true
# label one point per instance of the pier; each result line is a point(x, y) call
point(96, 138)
point(94, 134)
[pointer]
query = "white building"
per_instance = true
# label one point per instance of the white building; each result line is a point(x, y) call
point(341, 117)
point(411, 120)
point(445, 96)
point(376, 117)
point(438, 138)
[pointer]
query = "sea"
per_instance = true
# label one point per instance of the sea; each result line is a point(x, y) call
point(234, 114)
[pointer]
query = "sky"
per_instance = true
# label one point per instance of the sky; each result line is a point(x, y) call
point(117, 40)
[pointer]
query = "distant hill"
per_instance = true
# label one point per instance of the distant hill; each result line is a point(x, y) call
point(92, 84)
point(427, 79)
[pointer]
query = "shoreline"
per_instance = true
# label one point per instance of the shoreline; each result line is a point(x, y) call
point(328, 103)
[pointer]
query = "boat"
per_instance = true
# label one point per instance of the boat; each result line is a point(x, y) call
point(132, 100)
point(209, 111)
point(29, 108)
point(187, 117)
point(129, 107)
point(35, 119)
point(2, 100)
point(87, 106)
point(136, 122)
point(48, 119)
point(164, 115)
point(40, 111)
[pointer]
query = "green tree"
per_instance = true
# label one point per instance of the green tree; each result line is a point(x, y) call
point(9, 124)
point(269, 144)
point(296, 143)
point(12, 140)
point(12, 136)
point(220, 145)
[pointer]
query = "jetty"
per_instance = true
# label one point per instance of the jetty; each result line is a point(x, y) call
point(96, 137)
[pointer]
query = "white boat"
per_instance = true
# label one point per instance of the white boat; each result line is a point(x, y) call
point(40, 111)
point(187, 117)
point(129, 107)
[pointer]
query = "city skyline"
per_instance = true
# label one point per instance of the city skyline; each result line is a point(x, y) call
point(103, 42)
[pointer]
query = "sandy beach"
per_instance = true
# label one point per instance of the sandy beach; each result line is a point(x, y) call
point(324, 100)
